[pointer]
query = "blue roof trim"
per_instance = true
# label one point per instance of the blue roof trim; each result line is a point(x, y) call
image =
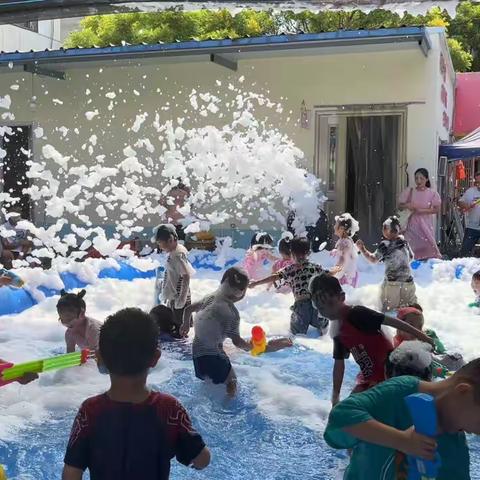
point(274, 42)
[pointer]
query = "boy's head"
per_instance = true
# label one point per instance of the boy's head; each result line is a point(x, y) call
point(476, 283)
point(459, 404)
point(327, 295)
point(70, 307)
point(414, 317)
point(391, 227)
point(163, 317)
point(128, 344)
point(166, 237)
point(410, 358)
point(234, 283)
point(300, 248)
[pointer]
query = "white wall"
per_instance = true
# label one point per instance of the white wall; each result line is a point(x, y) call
point(16, 38)
point(398, 76)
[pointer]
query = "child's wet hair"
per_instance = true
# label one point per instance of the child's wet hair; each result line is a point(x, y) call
point(393, 224)
point(72, 301)
point(300, 246)
point(347, 222)
point(163, 317)
point(410, 358)
point(236, 278)
point(128, 341)
point(325, 283)
point(260, 239)
point(470, 373)
point(476, 275)
point(285, 246)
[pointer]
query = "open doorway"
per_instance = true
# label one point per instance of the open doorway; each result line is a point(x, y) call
point(371, 167)
point(15, 143)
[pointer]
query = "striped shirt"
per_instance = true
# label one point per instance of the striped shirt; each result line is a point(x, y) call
point(217, 320)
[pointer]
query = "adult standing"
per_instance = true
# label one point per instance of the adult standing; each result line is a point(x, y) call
point(423, 203)
point(470, 204)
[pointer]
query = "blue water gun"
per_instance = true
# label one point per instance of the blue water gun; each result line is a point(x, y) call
point(424, 414)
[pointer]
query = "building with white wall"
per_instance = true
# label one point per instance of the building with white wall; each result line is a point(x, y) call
point(31, 35)
point(368, 107)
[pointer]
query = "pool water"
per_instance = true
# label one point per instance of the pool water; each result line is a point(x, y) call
point(271, 431)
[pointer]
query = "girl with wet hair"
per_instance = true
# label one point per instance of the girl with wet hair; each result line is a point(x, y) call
point(398, 288)
point(259, 253)
point(345, 251)
point(82, 331)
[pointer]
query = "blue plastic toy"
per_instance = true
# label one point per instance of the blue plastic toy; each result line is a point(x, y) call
point(424, 415)
point(459, 271)
point(415, 264)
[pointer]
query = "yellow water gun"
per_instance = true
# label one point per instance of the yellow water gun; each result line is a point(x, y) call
point(259, 341)
point(2, 474)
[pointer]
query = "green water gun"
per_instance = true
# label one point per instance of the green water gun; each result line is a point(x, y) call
point(10, 372)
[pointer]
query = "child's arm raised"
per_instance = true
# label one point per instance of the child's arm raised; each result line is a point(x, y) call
point(264, 281)
point(407, 328)
point(368, 255)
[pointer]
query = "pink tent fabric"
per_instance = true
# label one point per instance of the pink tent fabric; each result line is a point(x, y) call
point(467, 104)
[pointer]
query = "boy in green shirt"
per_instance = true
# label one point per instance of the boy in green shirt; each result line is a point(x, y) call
point(377, 425)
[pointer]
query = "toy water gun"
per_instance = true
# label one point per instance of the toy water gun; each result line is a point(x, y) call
point(259, 341)
point(2, 474)
point(424, 414)
point(17, 282)
point(10, 372)
point(439, 370)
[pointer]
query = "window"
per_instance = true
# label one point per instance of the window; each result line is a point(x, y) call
point(332, 155)
point(31, 25)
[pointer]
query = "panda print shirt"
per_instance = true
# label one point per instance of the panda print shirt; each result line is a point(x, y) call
point(298, 275)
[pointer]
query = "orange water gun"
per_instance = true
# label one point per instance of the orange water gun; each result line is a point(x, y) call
point(259, 341)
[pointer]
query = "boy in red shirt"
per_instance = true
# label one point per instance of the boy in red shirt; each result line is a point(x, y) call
point(356, 330)
point(130, 432)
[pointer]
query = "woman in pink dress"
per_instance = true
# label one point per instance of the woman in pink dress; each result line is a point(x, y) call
point(423, 203)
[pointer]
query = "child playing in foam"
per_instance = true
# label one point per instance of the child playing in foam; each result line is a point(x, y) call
point(175, 288)
point(130, 431)
point(218, 319)
point(398, 288)
point(476, 289)
point(297, 276)
point(258, 253)
point(414, 316)
point(377, 426)
point(82, 331)
point(356, 330)
point(345, 251)
point(413, 358)
point(286, 253)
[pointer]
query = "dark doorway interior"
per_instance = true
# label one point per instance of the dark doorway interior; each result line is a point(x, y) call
point(372, 155)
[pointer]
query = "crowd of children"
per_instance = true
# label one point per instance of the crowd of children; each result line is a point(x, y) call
point(132, 432)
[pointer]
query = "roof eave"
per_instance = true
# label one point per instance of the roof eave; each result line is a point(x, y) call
point(208, 47)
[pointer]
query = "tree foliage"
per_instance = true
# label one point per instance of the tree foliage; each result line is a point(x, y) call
point(175, 24)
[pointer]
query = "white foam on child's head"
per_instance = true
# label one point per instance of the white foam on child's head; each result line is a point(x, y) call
point(413, 354)
point(347, 216)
